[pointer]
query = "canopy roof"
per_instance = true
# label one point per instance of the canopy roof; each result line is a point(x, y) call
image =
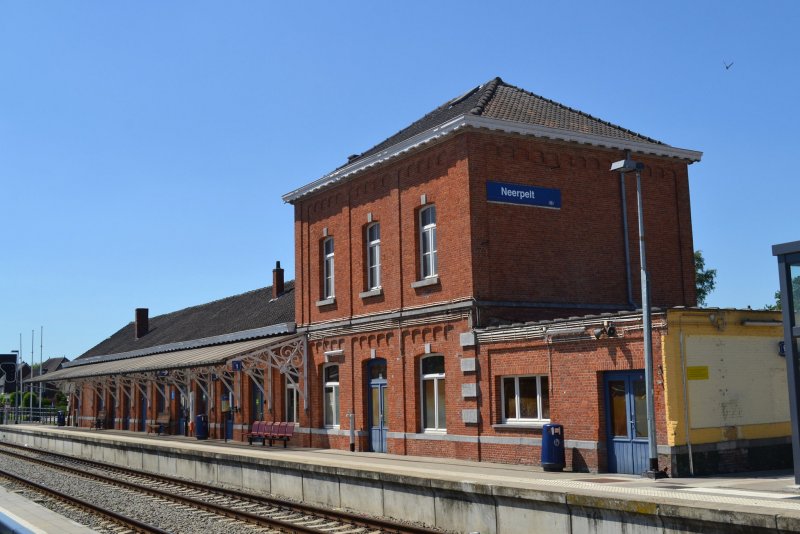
point(180, 359)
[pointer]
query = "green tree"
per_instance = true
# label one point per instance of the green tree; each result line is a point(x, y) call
point(705, 279)
point(26, 399)
point(777, 305)
point(795, 295)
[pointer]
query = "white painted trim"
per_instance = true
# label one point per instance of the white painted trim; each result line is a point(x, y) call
point(474, 121)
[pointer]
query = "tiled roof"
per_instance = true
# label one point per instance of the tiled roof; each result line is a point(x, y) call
point(496, 99)
point(496, 105)
point(53, 364)
point(248, 311)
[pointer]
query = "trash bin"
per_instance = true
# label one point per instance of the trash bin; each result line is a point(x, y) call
point(201, 426)
point(61, 420)
point(553, 447)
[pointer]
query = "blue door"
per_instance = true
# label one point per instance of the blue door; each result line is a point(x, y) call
point(626, 422)
point(143, 414)
point(126, 412)
point(377, 404)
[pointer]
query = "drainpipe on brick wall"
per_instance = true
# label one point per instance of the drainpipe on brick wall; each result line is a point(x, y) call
point(685, 404)
point(625, 236)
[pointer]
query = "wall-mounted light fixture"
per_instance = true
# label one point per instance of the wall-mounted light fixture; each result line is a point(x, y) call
point(756, 322)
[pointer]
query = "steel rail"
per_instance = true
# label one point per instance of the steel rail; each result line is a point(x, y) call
point(384, 525)
point(129, 522)
point(277, 524)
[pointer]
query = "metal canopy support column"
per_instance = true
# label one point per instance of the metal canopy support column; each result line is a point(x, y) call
point(290, 357)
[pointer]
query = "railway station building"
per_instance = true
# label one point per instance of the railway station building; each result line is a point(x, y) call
point(457, 286)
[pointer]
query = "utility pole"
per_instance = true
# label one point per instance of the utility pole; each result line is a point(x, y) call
point(31, 399)
point(41, 351)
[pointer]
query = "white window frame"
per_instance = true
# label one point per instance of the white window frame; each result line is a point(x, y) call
point(292, 391)
point(429, 264)
point(518, 419)
point(373, 270)
point(438, 380)
point(328, 278)
point(334, 396)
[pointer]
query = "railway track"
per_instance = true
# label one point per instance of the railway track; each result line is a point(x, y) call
point(235, 508)
point(67, 504)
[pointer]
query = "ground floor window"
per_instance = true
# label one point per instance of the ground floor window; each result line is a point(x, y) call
point(331, 395)
point(526, 399)
point(433, 393)
point(292, 397)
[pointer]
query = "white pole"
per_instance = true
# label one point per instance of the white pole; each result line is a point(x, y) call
point(41, 351)
point(31, 397)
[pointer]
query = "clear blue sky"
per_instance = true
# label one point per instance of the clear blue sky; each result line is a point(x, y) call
point(144, 146)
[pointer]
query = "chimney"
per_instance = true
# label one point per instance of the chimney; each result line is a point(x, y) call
point(277, 280)
point(142, 324)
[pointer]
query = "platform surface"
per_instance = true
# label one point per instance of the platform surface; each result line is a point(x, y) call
point(772, 492)
point(23, 515)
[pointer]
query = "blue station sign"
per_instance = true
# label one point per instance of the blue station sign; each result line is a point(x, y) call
point(526, 195)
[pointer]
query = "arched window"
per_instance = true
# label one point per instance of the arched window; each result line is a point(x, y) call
point(331, 394)
point(374, 256)
point(433, 393)
point(429, 266)
point(327, 268)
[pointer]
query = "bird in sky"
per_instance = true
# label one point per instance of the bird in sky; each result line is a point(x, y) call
point(727, 65)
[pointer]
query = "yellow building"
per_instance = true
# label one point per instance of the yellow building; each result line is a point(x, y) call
point(726, 392)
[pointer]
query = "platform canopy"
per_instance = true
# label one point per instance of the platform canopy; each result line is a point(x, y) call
point(286, 353)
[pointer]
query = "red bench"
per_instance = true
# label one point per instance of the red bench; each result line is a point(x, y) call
point(281, 432)
point(259, 432)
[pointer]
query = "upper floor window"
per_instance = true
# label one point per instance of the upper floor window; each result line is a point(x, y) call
point(433, 393)
point(427, 239)
point(374, 256)
point(331, 394)
point(327, 268)
point(526, 399)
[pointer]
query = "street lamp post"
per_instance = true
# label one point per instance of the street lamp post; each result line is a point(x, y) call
point(623, 166)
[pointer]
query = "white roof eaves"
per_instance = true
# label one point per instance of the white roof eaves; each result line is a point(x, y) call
point(474, 121)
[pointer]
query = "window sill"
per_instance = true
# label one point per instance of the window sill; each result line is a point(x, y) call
point(440, 431)
point(326, 302)
point(425, 282)
point(520, 426)
point(377, 292)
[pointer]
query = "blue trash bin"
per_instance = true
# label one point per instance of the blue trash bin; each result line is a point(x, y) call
point(201, 426)
point(553, 447)
point(61, 420)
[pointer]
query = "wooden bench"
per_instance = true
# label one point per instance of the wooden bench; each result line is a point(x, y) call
point(161, 424)
point(100, 420)
point(281, 432)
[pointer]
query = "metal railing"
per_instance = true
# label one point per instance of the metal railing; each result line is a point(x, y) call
point(10, 415)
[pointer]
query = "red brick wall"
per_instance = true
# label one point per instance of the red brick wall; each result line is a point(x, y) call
point(576, 390)
point(392, 195)
point(576, 254)
point(573, 255)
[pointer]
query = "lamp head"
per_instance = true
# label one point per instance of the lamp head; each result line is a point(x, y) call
point(627, 165)
point(611, 330)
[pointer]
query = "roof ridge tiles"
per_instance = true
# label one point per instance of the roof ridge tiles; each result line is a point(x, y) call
point(488, 95)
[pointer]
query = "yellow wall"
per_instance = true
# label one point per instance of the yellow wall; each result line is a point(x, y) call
point(736, 382)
